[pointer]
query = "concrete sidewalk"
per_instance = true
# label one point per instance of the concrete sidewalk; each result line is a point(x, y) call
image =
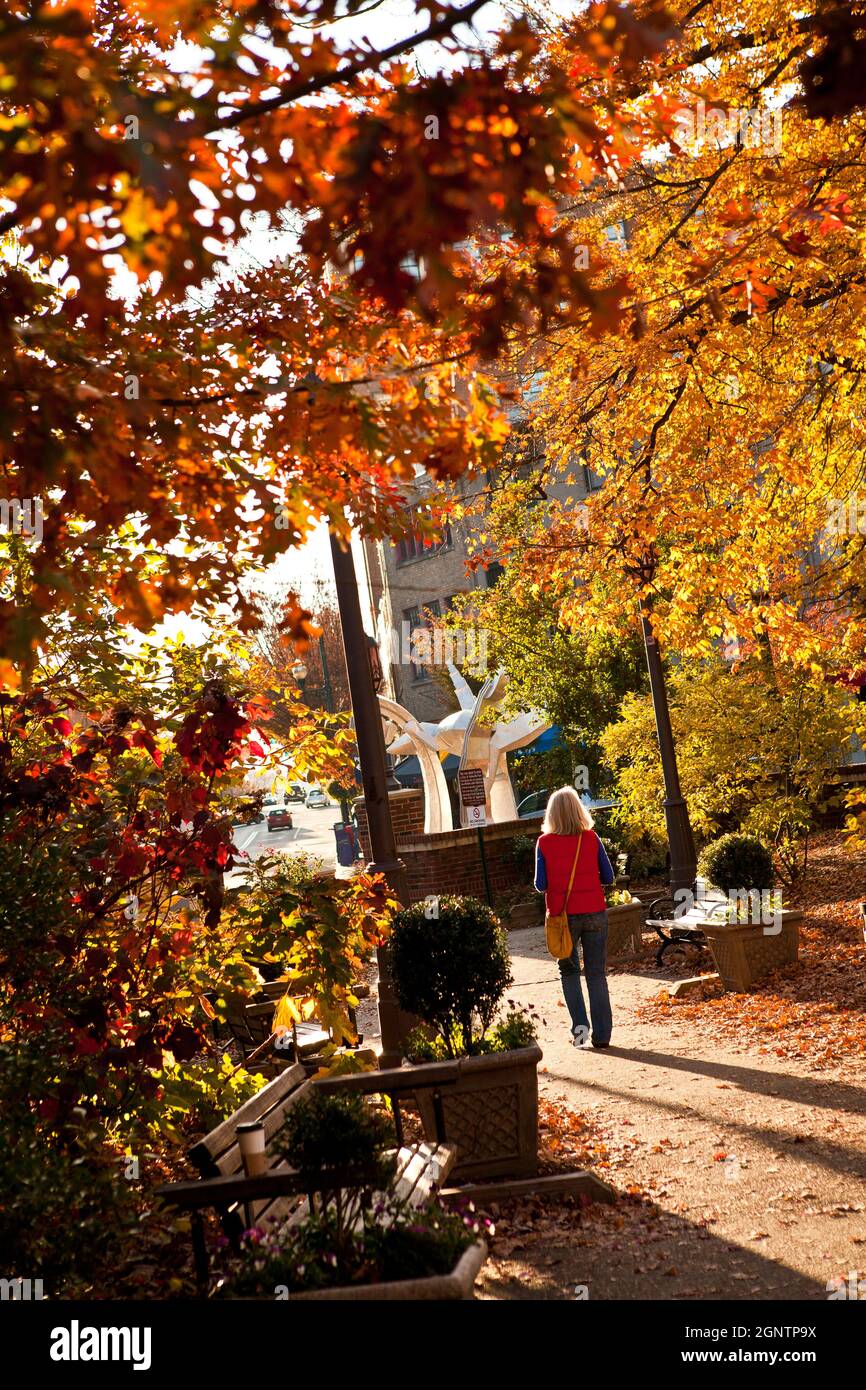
point(755, 1168)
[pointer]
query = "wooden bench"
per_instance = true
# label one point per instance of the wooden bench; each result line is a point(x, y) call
point(676, 928)
point(251, 1027)
point(223, 1182)
point(278, 1193)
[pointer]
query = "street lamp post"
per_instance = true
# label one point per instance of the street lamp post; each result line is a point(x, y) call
point(393, 1023)
point(680, 838)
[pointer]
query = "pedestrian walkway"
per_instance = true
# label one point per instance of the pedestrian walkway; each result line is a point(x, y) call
point(747, 1172)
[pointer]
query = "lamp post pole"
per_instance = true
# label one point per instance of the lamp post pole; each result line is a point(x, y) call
point(374, 777)
point(680, 838)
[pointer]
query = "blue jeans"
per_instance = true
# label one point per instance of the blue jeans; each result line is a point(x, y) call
point(590, 930)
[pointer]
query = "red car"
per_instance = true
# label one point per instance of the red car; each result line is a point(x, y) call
point(280, 819)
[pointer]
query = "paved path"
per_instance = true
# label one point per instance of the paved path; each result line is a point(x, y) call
point(755, 1167)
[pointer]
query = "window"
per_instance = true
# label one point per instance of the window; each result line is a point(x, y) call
point(417, 547)
point(591, 481)
point(493, 574)
point(416, 640)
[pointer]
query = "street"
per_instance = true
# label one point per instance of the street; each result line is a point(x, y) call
point(312, 834)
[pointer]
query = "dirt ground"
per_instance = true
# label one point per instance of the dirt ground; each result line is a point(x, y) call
point(742, 1174)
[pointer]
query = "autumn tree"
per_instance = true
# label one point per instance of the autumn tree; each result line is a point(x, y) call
point(326, 684)
point(577, 677)
point(167, 396)
point(755, 754)
point(726, 424)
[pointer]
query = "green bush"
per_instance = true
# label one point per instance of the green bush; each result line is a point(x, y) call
point(737, 861)
point(451, 969)
point(65, 1208)
point(322, 1132)
point(523, 851)
point(516, 1029)
point(197, 1095)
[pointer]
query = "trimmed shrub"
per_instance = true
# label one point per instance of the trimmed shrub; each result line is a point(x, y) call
point(322, 1132)
point(451, 969)
point(737, 861)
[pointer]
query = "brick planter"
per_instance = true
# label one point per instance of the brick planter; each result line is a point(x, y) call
point(744, 954)
point(624, 927)
point(491, 1114)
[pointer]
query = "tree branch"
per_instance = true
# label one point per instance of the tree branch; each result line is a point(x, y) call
point(439, 29)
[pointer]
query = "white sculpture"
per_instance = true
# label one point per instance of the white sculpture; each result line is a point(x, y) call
point(418, 738)
point(476, 744)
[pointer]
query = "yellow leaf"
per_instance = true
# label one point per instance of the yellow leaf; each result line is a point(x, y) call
point(285, 1014)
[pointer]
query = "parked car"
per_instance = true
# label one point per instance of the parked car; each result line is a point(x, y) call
point(536, 804)
point(280, 819)
point(316, 799)
point(270, 800)
point(295, 794)
point(533, 805)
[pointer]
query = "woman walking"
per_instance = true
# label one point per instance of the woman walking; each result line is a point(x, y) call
point(569, 852)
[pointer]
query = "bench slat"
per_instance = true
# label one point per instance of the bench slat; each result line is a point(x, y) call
point(427, 1166)
point(393, 1080)
point(207, 1150)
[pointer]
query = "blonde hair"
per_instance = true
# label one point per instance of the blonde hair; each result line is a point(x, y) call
point(566, 814)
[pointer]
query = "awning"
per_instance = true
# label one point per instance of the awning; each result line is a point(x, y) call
point(409, 770)
point(551, 738)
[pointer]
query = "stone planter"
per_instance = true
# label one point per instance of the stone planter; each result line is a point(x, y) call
point(745, 953)
point(491, 1114)
point(624, 927)
point(435, 1287)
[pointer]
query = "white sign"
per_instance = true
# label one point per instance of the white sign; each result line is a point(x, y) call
point(477, 815)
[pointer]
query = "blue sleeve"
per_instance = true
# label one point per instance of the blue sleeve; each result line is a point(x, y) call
point(605, 871)
point(540, 870)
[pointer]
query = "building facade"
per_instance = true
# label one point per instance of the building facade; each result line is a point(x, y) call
point(414, 580)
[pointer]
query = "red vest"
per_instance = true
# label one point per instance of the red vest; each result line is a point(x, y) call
point(587, 893)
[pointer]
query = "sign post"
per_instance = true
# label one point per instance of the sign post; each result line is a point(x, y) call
point(473, 796)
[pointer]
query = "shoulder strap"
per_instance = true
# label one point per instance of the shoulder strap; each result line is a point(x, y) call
point(573, 871)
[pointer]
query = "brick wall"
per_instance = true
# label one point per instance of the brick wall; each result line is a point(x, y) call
point(450, 862)
point(407, 816)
